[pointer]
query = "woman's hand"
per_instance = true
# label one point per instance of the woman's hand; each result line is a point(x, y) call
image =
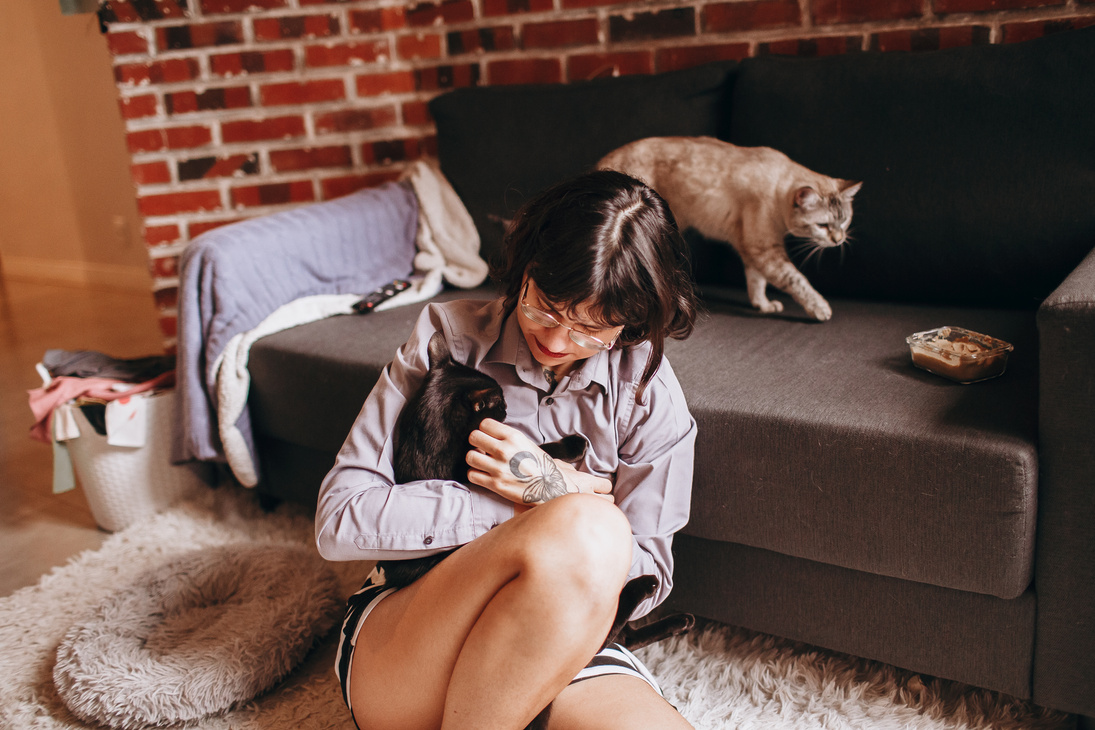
point(587, 483)
point(508, 463)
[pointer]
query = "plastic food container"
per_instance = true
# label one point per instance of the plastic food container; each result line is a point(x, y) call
point(959, 354)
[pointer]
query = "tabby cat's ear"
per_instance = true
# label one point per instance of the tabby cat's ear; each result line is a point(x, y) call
point(848, 189)
point(438, 349)
point(806, 197)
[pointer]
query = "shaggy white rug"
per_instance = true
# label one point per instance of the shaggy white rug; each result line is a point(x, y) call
point(718, 677)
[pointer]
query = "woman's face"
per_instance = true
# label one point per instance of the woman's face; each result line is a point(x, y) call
point(553, 347)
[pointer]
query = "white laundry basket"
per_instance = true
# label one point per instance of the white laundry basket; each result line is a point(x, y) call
point(124, 484)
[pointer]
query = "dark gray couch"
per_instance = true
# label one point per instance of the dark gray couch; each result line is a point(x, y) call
point(842, 497)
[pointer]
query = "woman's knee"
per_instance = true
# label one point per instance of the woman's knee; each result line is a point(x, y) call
point(583, 538)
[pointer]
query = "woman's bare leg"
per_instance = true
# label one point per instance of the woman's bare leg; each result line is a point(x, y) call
point(613, 702)
point(489, 636)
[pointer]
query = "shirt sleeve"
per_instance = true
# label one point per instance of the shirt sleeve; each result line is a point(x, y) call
point(654, 479)
point(361, 513)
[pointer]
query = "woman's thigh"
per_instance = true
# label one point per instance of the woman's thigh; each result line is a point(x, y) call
point(613, 702)
point(409, 645)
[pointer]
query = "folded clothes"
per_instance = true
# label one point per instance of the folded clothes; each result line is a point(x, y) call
point(89, 364)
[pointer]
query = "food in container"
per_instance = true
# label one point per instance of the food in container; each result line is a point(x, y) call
point(959, 354)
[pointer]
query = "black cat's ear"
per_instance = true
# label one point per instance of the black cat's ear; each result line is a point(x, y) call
point(438, 349)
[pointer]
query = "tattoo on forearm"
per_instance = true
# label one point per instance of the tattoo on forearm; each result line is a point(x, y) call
point(549, 484)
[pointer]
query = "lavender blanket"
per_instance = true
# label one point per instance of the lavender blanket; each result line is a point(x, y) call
point(233, 277)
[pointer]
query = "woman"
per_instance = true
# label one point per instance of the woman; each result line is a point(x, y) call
point(594, 281)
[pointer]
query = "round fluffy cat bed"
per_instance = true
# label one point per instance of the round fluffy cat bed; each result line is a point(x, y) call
point(197, 636)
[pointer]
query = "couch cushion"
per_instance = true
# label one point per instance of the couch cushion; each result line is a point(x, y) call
point(822, 441)
point(500, 145)
point(978, 164)
point(308, 383)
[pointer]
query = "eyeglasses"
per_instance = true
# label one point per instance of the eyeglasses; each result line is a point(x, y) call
point(581, 339)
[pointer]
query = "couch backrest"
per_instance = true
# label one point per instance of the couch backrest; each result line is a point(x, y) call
point(978, 163)
point(500, 145)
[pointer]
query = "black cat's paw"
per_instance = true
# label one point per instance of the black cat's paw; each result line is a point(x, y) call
point(638, 590)
point(665, 628)
point(634, 592)
point(568, 448)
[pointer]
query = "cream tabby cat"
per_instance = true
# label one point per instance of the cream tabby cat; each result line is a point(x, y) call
point(751, 197)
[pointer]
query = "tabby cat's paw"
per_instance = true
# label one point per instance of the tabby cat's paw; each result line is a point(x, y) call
point(821, 311)
point(770, 307)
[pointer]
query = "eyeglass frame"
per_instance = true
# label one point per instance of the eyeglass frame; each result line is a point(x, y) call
point(546, 319)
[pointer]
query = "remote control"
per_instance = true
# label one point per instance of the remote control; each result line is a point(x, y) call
point(381, 294)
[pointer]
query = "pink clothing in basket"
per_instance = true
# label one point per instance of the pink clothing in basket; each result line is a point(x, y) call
point(44, 400)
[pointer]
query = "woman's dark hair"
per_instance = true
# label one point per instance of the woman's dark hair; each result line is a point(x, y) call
point(607, 240)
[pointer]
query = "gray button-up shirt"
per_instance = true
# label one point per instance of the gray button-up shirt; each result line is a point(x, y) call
point(647, 444)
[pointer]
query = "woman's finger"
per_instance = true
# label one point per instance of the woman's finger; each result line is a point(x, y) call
point(492, 437)
point(479, 461)
point(482, 441)
point(496, 429)
point(585, 482)
point(478, 478)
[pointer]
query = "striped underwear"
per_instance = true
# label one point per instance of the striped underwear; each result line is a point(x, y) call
point(613, 659)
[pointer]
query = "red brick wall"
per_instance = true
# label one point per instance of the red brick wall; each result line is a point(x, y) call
point(237, 108)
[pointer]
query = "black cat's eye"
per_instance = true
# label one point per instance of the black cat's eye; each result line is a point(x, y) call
point(481, 399)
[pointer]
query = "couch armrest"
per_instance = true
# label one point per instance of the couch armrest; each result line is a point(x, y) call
point(1064, 659)
point(233, 277)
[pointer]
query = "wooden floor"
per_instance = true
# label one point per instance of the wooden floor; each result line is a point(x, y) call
point(38, 529)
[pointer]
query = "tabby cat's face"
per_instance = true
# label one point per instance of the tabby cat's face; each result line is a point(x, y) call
point(822, 218)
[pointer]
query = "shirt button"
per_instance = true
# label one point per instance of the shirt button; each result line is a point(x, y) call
point(428, 541)
point(548, 401)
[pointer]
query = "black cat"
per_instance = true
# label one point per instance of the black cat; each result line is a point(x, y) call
point(431, 442)
point(431, 436)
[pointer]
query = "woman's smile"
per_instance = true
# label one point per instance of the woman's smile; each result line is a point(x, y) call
point(548, 352)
